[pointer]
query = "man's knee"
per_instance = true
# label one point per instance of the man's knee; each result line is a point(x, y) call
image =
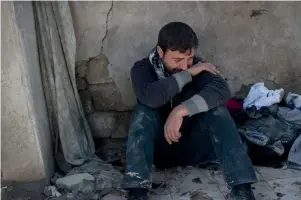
point(218, 115)
point(142, 117)
point(220, 111)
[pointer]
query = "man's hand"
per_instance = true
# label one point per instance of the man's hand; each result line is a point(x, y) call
point(173, 124)
point(200, 67)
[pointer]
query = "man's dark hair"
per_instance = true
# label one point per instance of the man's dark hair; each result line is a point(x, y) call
point(177, 36)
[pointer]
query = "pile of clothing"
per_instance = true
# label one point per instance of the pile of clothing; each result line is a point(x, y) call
point(269, 122)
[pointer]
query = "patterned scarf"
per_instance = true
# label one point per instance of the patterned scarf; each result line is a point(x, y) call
point(158, 65)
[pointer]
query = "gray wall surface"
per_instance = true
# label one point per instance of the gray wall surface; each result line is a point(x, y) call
point(249, 41)
point(26, 141)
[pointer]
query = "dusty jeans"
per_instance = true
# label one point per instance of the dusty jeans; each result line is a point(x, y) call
point(205, 137)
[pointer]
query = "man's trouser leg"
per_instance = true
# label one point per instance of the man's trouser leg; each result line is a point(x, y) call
point(208, 136)
point(212, 135)
point(144, 127)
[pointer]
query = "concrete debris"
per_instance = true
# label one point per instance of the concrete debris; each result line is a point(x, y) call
point(51, 191)
point(78, 182)
point(92, 178)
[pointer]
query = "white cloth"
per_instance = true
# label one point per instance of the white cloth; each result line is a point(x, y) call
point(259, 96)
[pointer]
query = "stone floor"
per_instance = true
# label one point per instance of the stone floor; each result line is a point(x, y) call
point(208, 184)
point(187, 184)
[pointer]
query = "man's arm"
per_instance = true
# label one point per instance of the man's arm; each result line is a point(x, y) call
point(213, 92)
point(152, 92)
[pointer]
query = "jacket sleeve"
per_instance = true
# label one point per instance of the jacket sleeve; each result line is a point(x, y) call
point(153, 92)
point(213, 91)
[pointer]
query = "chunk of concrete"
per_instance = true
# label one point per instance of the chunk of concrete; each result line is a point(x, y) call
point(73, 182)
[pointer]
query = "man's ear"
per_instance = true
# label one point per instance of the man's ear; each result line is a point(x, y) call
point(160, 51)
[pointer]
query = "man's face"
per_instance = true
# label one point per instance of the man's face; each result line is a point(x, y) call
point(175, 61)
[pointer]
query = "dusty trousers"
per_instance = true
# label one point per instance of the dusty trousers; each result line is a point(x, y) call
point(205, 137)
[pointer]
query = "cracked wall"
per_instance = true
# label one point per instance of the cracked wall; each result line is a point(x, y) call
point(248, 41)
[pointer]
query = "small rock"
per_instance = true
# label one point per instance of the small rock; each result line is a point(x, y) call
point(74, 182)
point(51, 191)
point(81, 84)
point(279, 194)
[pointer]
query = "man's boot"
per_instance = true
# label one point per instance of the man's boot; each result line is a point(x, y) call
point(242, 192)
point(138, 194)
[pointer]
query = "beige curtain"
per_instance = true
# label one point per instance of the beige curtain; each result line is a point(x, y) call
point(72, 137)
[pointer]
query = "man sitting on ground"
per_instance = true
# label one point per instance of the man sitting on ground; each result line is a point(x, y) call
point(180, 118)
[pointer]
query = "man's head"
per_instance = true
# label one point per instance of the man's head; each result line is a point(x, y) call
point(176, 46)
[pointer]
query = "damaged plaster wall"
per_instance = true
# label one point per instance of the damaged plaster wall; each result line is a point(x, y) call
point(248, 41)
point(26, 140)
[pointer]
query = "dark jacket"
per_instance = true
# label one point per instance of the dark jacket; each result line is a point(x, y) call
point(198, 94)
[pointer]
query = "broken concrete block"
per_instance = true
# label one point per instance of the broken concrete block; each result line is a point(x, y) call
point(51, 191)
point(107, 178)
point(77, 182)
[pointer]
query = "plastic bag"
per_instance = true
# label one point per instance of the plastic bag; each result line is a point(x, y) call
point(259, 96)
